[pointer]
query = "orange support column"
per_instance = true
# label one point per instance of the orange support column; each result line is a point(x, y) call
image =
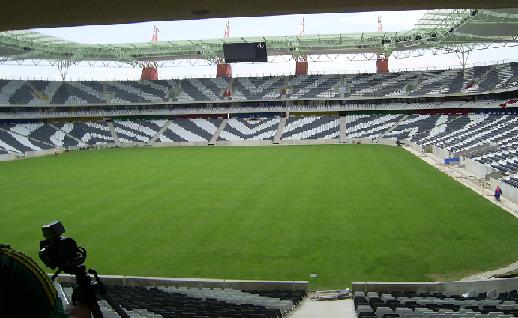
point(382, 65)
point(301, 68)
point(149, 74)
point(224, 70)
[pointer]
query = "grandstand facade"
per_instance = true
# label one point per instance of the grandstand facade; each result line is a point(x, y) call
point(468, 113)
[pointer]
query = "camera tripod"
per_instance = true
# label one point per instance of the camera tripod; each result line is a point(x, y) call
point(88, 291)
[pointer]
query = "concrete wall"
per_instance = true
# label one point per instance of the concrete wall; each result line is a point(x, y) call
point(387, 141)
point(310, 142)
point(244, 143)
point(132, 144)
point(358, 141)
point(176, 144)
point(476, 168)
point(458, 287)
point(196, 282)
point(41, 153)
point(440, 152)
point(381, 141)
point(415, 146)
point(8, 157)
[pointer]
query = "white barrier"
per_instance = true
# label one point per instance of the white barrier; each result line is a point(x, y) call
point(309, 142)
point(387, 141)
point(132, 144)
point(244, 143)
point(476, 168)
point(178, 144)
point(358, 141)
point(8, 157)
point(42, 153)
point(116, 280)
point(440, 152)
point(415, 147)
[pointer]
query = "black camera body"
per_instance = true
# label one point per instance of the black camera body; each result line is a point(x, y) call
point(60, 252)
point(64, 254)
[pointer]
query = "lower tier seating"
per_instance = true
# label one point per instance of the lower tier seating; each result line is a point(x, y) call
point(137, 130)
point(238, 129)
point(159, 301)
point(435, 304)
point(90, 133)
point(190, 130)
point(488, 138)
point(12, 140)
point(316, 127)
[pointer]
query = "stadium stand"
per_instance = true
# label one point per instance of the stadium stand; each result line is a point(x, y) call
point(316, 127)
point(434, 304)
point(472, 131)
point(504, 160)
point(190, 130)
point(379, 108)
point(511, 180)
point(415, 125)
point(238, 129)
point(370, 126)
point(44, 133)
point(159, 301)
point(91, 133)
point(480, 79)
point(18, 143)
point(137, 130)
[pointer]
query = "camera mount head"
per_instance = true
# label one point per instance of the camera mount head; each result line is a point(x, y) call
point(60, 252)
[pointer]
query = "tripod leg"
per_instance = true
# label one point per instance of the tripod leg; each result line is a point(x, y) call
point(95, 310)
point(118, 309)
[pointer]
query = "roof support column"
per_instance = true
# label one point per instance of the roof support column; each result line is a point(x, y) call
point(63, 68)
point(382, 65)
point(223, 70)
point(463, 56)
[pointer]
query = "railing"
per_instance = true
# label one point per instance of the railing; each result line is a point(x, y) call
point(243, 75)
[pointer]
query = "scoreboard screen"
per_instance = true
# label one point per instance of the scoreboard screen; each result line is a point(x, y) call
point(245, 52)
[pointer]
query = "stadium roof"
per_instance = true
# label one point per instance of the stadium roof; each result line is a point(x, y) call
point(16, 15)
point(443, 29)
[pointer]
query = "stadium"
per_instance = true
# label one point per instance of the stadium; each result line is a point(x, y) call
point(258, 196)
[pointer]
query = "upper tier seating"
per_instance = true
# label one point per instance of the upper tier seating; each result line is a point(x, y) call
point(238, 129)
point(415, 83)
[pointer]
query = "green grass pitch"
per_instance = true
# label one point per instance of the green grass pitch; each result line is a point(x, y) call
point(345, 212)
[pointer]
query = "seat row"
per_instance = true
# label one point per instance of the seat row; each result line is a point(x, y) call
point(416, 83)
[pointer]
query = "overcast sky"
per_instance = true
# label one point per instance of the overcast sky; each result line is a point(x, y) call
point(263, 26)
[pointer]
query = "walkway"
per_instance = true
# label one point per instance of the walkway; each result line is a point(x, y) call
point(324, 309)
